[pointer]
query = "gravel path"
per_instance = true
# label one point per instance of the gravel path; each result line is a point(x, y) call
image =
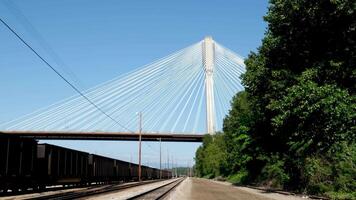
point(203, 189)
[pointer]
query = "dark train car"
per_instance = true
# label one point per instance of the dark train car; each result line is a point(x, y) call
point(134, 171)
point(166, 174)
point(25, 164)
point(122, 170)
point(144, 172)
point(103, 169)
point(155, 173)
point(17, 162)
point(59, 165)
point(148, 173)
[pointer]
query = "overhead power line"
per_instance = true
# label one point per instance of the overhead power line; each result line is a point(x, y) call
point(61, 76)
point(32, 30)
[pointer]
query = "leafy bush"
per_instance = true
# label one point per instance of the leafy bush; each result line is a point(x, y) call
point(341, 195)
point(238, 178)
point(316, 173)
point(211, 156)
point(273, 174)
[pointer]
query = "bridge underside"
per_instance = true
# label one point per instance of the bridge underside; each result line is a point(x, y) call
point(123, 136)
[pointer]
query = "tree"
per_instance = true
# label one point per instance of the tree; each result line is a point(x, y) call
point(237, 137)
point(312, 118)
point(210, 158)
point(294, 126)
point(301, 83)
point(303, 37)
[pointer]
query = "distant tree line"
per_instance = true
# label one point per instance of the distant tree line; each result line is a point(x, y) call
point(182, 171)
point(294, 125)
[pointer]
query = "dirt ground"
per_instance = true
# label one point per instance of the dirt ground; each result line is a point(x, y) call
point(202, 189)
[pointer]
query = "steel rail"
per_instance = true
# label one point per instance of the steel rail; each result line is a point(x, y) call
point(91, 191)
point(166, 189)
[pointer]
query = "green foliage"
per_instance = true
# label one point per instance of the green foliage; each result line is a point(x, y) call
point(273, 174)
point(301, 85)
point(294, 126)
point(236, 127)
point(341, 195)
point(317, 172)
point(343, 163)
point(311, 118)
point(334, 171)
point(210, 157)
point(240, 177)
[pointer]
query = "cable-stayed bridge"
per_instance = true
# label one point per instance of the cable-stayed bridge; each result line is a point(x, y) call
point(181, 97)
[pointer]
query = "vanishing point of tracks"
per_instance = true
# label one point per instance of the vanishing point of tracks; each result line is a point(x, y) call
point(159, 192)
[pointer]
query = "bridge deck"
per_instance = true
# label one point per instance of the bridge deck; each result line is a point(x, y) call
point(124, 136)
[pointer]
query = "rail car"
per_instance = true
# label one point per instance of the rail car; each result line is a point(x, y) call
point(104, 169)
point(26, 164)
point(59, 165)
point(18, 163)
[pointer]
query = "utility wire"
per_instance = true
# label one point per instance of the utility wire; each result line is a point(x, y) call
point(25, 22)
point(60, 75)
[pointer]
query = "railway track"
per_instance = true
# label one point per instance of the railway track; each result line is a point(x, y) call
point(158, 193)
point(90, 191)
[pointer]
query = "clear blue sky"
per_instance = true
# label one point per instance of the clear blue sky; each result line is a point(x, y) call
point(99, 40)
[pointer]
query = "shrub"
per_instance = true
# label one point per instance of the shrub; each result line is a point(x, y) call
point(238, 178)
point(273, 174)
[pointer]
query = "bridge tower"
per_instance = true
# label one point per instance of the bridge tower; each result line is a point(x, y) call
point(208, 63)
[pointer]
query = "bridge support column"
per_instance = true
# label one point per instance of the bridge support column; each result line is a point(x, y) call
point(208, 62)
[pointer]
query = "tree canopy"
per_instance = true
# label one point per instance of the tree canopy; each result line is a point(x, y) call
point(294, 125)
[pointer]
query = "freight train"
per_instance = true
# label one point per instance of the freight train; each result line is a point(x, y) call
point(25, 164)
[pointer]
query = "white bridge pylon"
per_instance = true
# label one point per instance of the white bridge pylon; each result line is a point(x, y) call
point(188, 91)
point(208, 62)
